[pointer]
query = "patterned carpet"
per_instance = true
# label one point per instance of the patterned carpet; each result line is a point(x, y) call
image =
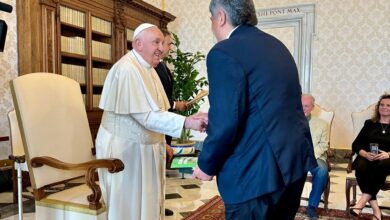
point(214, 210)
point(333, 214)
point(211, 210)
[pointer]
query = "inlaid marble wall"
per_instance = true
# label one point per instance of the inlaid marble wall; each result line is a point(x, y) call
point(351, 51)
point(8, 71)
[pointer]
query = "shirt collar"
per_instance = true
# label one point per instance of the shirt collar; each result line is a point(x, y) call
point(141, 60)
point(232, 32)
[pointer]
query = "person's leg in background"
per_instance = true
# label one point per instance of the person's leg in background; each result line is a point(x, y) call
point(380, 174)
point(363, 173)
point(320, 176)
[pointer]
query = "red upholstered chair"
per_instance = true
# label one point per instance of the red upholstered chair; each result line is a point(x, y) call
point(57, 143)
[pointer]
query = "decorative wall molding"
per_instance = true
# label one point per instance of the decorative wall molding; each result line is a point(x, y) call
point(302, 19)
point(119, 13)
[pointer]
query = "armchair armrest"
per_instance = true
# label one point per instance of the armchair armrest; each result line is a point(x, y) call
point(329, 155)
point(113, 166)
point(17, 159)
point(349, 156)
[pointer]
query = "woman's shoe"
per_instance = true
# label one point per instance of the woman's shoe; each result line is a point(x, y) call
point(353, 213)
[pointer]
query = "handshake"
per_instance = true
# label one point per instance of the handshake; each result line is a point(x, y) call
point(197, 121)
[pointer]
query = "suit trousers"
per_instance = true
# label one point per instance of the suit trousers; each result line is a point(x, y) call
point(282, 205)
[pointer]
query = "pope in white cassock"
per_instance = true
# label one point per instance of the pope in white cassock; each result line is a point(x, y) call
point(134, 120)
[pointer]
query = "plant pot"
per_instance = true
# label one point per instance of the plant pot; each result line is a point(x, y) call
point(184, 148)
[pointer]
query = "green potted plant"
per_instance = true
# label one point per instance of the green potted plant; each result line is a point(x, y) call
point(187, 83)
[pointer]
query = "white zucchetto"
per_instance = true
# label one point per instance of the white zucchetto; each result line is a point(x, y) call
point(140, 28)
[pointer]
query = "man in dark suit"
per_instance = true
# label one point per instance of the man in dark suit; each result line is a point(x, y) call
point(259, 144)
point(166, 78)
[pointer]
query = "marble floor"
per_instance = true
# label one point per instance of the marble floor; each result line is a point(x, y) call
point(186, 195)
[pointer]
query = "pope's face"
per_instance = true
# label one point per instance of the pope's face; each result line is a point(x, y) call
point(151, 46)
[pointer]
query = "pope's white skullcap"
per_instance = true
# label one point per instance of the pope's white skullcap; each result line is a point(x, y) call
point(140, 28)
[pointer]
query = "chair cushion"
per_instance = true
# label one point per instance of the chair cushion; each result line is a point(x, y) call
point(323, 114)
point(358, 118)
point(351, 176)
point(53, 122)
point(73, 199)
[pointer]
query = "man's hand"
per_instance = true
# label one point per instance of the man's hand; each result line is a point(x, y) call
point(202, 115)
point(195, 123)
point(199, 174)
point(181, 106)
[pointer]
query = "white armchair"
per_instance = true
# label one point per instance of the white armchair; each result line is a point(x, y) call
point(19, 159)
point(358, 119)
point(57, 144)
point(327, 116)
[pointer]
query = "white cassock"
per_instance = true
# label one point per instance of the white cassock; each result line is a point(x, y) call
point(132, 128)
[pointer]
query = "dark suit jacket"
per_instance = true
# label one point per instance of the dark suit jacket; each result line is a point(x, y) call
point(258, 137)
point(166, 79)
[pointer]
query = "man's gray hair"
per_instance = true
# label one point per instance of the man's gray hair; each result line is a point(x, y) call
point(238, 11)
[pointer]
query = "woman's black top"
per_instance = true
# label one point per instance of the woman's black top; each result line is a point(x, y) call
point(372, 132)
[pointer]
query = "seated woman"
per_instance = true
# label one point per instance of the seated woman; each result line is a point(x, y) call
point(371, 168)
